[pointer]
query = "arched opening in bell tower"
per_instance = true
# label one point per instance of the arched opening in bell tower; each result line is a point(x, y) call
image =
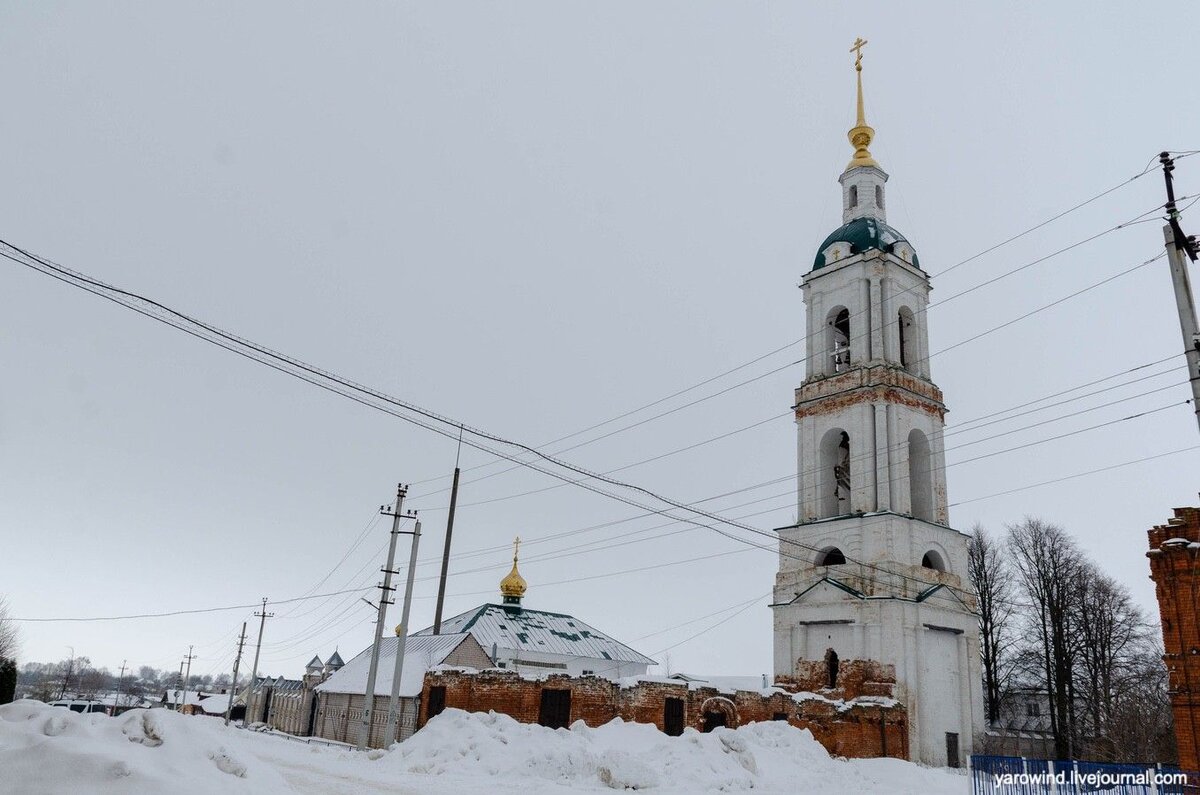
point(908, 339)
point(834, 477)
point(838, 344)
point(919, 480)
point(853, 196)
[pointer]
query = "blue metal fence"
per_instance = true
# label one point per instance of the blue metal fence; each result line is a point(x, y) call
point(1014, 775)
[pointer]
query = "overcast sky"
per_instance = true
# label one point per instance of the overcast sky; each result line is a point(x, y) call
point(535, 217)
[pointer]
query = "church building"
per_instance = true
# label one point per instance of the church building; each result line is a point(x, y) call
point(873, 570)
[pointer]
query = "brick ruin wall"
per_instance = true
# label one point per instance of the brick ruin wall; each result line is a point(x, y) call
point(846, 728)
point(1175, 569)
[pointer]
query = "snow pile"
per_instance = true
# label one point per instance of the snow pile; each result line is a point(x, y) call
point(771, 757)
point(46, 749)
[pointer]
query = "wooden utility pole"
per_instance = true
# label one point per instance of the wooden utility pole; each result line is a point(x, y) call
point(262, 615)
point(187, 680)
point(368, 713)
point(1179, 244)
point(401, 637)
point(233, 685)
point(437, 613)
point(120, 687)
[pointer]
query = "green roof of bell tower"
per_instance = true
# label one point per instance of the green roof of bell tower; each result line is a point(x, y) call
point(863, 234)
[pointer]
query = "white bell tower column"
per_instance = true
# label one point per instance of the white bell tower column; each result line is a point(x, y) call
point(873, 569)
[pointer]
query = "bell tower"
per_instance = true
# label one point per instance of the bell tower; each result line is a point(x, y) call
point(872, 570)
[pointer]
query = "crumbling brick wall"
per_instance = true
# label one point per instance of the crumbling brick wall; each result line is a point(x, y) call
point(868, 728)
point(1175, 569)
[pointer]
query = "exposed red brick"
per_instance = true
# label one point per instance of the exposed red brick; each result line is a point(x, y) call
point(1175, 569)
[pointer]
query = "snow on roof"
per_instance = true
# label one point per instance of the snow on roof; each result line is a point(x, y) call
point(421, 652)
point(335, 661)
point(538, 631)
point(192, 696)
point(215, 705)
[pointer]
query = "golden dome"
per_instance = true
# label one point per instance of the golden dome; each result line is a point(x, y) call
point(513, 585)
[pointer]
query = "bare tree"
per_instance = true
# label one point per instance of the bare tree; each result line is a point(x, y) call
point(988, 570)
point(9, 636)
point(1046, 561)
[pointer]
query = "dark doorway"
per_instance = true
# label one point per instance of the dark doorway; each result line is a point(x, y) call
point(952, 750)
point(312, 717)
point(556, 709)
point(831, 663)
point(779, 716)
point(266, 708)
point(673, 717)
point(713, 719)
point(437, 701)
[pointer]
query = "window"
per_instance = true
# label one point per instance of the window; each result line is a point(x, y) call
point(555, 711)
point(437, 701)
point(933, 560)
point(1033, 710)
point(779, 716)
point(879, 196)
point(831, 556)
point(588, 672)
point(673, 717)
point(853, 195)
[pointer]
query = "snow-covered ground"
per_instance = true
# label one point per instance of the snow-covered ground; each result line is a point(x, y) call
point(47, 749)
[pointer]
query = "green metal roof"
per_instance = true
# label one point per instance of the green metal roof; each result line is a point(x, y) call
point(863, 234)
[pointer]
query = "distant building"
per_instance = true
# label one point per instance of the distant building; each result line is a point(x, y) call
point(289, 705)
point(338, 713)
point(1174, 563)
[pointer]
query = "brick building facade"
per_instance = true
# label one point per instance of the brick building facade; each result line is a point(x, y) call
point(1175, 568)
point(857, 717)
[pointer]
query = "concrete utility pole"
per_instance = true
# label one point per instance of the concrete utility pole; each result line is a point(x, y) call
point(233, 685)
point(402, 633)
point(120, 687)
point(178, 686)
point(1179, 244)
point(263, 615)
point(364, 728)
point(187, 680)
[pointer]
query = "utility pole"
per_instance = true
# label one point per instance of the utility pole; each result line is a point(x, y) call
point(187, 680)
point(364, 728)
point(120, 688)
point(437, 613)
point(263, 615)
point(178, 686)
point(233, 685)
point(402, 632)
point(1179, 244)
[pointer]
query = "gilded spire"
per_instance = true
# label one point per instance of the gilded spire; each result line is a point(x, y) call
point(860, 135)
point(512, 587)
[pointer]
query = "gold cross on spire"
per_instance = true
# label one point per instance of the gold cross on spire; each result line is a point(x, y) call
point(861, 134)
point(516, 547)
point(857, 50)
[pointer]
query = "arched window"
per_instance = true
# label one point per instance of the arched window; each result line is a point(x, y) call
point(933, 560)
point(838, 323)
point(853, 195)
point(879, 196)
point(830, 556)
point(908, 339)
point(831, 666)
point(919, 475)
point(834, 479)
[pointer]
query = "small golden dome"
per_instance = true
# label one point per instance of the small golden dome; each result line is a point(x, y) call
point(513, 585)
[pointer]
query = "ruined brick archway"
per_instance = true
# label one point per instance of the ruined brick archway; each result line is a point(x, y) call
point(717, 711)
